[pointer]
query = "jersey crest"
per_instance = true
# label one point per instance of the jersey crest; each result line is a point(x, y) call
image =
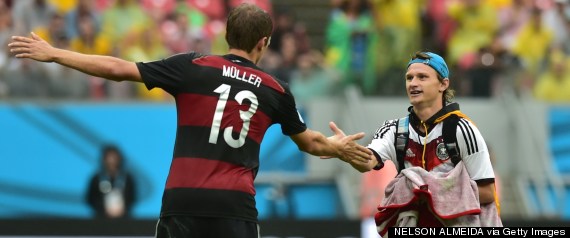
point(441, 151)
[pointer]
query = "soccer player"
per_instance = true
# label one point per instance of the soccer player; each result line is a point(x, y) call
point(225, 105)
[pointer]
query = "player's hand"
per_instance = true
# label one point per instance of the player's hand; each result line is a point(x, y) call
point(349, 150)
point(338, 135)
point(32, 47)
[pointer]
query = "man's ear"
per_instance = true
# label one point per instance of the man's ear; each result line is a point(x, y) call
point(260, 44)
point(263, 42)
point(444, 85)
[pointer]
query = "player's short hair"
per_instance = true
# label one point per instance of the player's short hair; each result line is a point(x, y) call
point(246, 25)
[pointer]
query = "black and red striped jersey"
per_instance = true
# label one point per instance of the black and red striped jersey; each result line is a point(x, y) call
point(224, 105)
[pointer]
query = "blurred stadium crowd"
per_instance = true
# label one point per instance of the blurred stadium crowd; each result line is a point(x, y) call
point(489, 44)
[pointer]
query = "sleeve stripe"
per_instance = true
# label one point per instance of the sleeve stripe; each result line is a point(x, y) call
point(472, 143)
point(386, 129)
point(383, 129)
point(471, 135)
point(474, 138)
point(464, 138)
point(380, 132)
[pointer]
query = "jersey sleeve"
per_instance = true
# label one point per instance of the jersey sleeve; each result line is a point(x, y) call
point(382, 144)
point(473, 151)
point(288, 116)
point(166, 73)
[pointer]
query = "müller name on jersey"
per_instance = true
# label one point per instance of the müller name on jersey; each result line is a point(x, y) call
point(234, 72)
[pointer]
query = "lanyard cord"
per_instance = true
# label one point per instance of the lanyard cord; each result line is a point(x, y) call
point(425, 144)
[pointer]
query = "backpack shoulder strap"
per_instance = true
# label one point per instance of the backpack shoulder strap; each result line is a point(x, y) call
point(449, 132)
point(401, 140)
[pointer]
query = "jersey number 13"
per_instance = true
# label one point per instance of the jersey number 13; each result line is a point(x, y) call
point(224, 91)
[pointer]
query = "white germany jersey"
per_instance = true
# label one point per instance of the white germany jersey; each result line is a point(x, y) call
point(472, 149)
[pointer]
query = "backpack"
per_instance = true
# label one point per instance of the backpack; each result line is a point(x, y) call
point(449, 139)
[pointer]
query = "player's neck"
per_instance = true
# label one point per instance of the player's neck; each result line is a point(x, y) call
point(426, 112)
point(249, 56)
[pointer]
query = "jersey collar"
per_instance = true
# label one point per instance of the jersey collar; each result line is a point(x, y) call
point(449, 109)
point(240, 60)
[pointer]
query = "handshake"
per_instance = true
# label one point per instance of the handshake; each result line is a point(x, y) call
point(358, 156)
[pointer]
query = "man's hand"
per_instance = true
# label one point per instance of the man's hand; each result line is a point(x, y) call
point(32, 47)
point(362, 166)
point(102, 66)
point(349, 150)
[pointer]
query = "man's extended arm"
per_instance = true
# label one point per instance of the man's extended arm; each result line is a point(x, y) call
point(339, 146)
point(108, 67)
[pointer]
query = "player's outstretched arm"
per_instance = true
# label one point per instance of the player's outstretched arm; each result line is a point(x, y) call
point(358, 164)
point(108, 67)
point(338, 146)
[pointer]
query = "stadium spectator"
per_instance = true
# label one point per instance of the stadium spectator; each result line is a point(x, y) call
point(443, 21)
point(437, 26)
point(13, 79)
point(511, 20)
point(302, 39)
point(399, 27)
point(288, 53)
point(553, 85)
point(30, 14)
point(84, 8)
point(531, 47)
point(284, 22)
point(111, 192)
point(88, 40)
point(209, 191)
point(180, 36)
point(350, 44)
point(122, 19)
point(311, 78)
point(476, 25)
point(489, 65)
point(196, 18)
point(393, 23)
point(54, 31)
point(557, 19)
point(61, 81)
